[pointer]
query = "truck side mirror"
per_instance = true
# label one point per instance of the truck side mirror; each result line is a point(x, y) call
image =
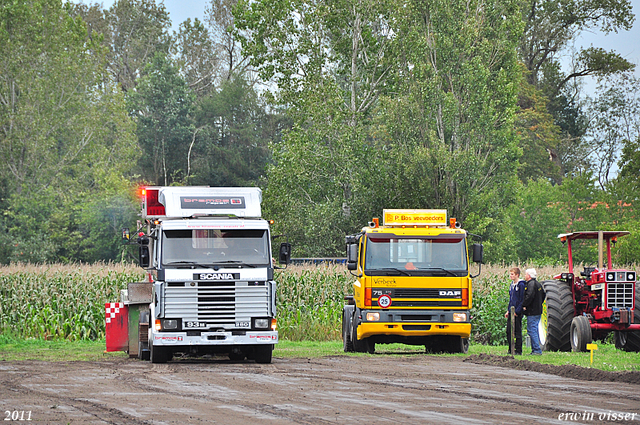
point(144, 258)
point(284, 256)
point(477, 252)
point(125, 234)
point(352, 256)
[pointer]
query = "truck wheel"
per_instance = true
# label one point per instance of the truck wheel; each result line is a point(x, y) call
point(557, 314)
point(264, 353)
point(360, 345)
point(460, 345)
point(447, 344)
point(580, 333)
point(630, 341)
point(159, 354)
point(347, 343)
point(236, 355)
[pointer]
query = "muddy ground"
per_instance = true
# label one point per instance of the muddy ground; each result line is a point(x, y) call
point(378, 389)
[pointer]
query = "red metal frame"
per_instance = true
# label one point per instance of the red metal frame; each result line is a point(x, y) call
point(600, 318)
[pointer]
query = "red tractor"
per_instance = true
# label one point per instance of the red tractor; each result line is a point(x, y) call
point(580, 309)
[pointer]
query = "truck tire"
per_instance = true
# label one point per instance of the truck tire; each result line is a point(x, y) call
point(263, 353)
point(347, 315)
point(447, 344)
point(630, 341)
point(557, 314)
point(460, 345)
point(159, 354)
point(360, 345)
point(580, 334)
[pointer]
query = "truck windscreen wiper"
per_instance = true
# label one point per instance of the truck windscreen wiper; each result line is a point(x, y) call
point(440, 269)
point(393, 269)
point(233, 263)
point(186, 263)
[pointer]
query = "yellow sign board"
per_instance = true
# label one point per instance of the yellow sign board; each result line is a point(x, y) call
point(592, 348)
point(415, 217)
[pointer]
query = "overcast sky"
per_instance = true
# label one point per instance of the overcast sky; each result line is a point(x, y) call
point(626, 43)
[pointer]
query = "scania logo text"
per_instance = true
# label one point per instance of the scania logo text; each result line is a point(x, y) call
point(216, 276)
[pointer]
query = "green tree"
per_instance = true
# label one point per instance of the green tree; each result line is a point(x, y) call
point(162, 106)
point(450, 129)
point(197, 57)
point(330, 62)
point(132, 31)
point(65, 132)
point(615, 126)
point(550, 28)
point(231, 145)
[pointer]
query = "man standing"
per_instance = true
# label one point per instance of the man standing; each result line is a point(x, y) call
point(516, 295)
point(532, 307)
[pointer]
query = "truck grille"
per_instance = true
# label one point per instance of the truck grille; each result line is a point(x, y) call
point(620, 295)
point(218, 304)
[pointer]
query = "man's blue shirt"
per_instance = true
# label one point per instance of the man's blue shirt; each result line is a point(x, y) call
point(516, 295)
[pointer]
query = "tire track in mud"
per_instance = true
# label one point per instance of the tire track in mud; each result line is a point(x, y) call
point(516, 404)
point(95, 411)
point(140, 383)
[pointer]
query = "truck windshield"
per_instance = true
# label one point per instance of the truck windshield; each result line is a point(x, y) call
point(212, 246)
point(415, 255)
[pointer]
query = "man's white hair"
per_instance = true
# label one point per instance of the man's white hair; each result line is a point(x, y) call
point(532, 273)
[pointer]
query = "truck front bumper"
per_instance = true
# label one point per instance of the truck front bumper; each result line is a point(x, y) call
point(410, 323)
point(214, 338)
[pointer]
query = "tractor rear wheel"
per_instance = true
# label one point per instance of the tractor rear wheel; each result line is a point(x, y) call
point(630, 341)
point(580, 334)
point(557, 314)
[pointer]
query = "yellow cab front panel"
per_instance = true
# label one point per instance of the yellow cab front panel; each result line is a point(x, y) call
point(413, 282)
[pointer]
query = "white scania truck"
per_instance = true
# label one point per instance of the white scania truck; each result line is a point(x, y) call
point(210, 286)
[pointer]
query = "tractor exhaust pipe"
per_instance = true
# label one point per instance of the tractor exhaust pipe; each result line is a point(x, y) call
point(600, 250)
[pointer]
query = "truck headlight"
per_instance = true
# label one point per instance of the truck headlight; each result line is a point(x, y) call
point(261, 323)
point(459, 317)
point(373, 317)
point(169, 324)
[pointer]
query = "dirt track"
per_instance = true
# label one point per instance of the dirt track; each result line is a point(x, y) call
point(378, 389)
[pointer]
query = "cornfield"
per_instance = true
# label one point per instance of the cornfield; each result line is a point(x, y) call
point(55, 301)
point(58, 301)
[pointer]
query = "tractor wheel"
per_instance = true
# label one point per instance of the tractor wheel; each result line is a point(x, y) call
point(630, 341)
point(347, 344)
point(580, 333)
point(557, 314)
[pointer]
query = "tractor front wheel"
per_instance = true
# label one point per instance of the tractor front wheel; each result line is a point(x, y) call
point(557, 314)
point(580, 333)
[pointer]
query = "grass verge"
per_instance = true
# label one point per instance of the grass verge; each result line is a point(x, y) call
point(607, 357)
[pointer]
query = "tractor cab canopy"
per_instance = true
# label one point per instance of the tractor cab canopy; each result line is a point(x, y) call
point(606, 234)
point(601, 236)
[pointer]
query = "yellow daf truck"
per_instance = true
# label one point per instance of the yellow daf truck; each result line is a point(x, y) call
point(412, 285)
